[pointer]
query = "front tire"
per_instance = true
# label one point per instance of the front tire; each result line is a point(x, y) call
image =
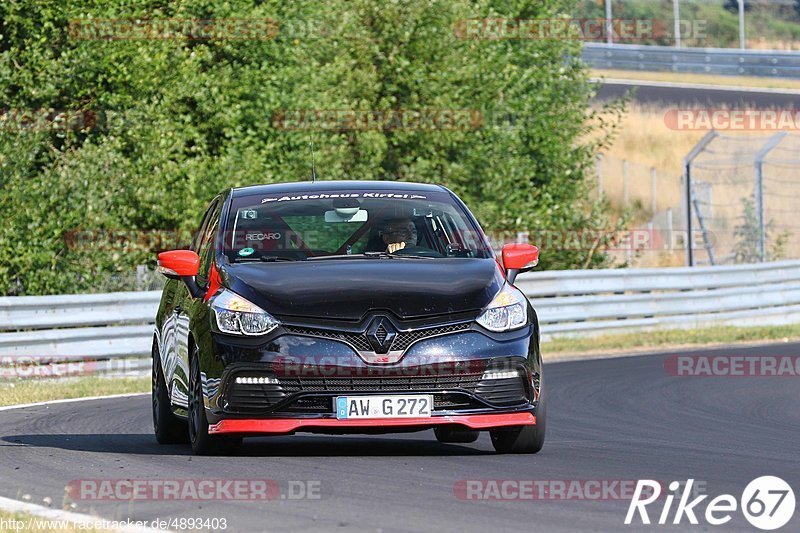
point(203, 443)
point(169, 429)
point(522, 439)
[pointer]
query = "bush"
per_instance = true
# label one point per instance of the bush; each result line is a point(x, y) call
point(179, 120)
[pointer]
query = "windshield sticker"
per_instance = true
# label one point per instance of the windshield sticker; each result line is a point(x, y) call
point(246, 251)
point(324, 196)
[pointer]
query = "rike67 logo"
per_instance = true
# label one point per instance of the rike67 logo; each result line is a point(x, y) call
point(767, 502)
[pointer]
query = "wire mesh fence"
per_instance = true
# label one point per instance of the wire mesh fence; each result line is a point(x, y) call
point(652, 200)
point(742, 193)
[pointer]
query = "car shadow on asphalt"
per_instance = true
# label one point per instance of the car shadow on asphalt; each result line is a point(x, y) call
point(360, 446)
point(279, 446)
point(127, 443)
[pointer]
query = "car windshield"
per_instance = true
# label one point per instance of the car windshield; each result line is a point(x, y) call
point(343, 224)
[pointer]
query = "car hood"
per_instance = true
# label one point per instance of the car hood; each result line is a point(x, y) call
point(347, 289)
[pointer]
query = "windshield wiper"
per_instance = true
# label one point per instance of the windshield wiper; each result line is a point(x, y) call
point(367, 255)
point(264, 259)
point(370, 255)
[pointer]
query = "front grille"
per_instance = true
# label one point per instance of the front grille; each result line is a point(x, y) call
point(310, 404)
point(261, 397)
point(358, 340)
point(404, 340)
point(467, 381)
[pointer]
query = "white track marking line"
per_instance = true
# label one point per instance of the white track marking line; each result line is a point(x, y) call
point(68, 400)
point(14, 506)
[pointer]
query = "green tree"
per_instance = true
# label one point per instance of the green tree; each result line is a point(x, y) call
point(182, 119)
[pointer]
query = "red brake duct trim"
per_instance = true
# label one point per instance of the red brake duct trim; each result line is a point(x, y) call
point(214, 283)
point(288, 425)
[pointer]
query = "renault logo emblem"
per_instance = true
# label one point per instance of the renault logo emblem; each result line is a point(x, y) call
point(381, 334)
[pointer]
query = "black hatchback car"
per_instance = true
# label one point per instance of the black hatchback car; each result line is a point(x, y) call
point(345, 307)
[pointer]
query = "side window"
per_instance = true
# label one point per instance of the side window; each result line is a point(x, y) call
point(206, 244)
point(203, 226)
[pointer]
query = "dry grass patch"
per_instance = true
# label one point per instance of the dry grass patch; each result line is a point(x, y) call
point(41, 390)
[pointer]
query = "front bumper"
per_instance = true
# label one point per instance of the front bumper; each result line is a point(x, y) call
point(282, 426)
point(304, 374)
point(456, 387)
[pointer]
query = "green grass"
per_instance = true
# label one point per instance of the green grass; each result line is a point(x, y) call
point(40, 390)
point(666, 339)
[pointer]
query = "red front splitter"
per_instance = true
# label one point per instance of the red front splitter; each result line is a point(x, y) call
point(277, 426)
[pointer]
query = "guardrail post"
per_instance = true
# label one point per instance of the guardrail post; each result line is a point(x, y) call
point(758, 191)
point(625, 182)
point(669, 227)
point(599, 175)
point(687, 180)
point(742, 43)
point(653, 185)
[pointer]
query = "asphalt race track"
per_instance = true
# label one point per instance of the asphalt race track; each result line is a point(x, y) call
point(694, 96)
point(609, 419)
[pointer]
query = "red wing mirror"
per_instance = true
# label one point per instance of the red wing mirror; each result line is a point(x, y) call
point(178, 263)
point(181, 264)
point(518, 258)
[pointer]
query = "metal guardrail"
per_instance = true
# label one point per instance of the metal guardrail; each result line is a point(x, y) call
point(70, 310)
point(587, 302)
point(726, 61)
point(117, 324)
point(569, 303)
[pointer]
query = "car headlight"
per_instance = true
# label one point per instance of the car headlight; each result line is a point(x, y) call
point(238, 316)
point(508, 310)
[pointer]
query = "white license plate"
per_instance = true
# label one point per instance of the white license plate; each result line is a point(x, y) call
point(396, 406)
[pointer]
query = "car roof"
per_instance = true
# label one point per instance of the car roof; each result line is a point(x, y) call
point(336, 185)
